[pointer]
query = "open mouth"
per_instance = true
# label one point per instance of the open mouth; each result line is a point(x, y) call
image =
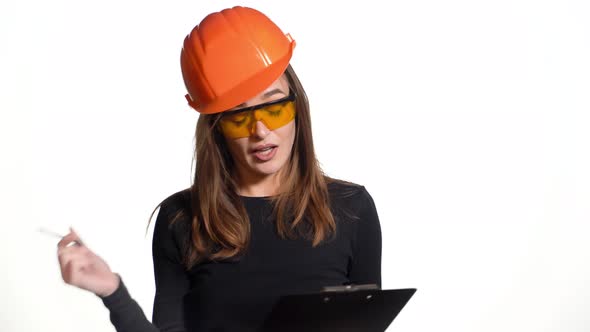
point(265, 153)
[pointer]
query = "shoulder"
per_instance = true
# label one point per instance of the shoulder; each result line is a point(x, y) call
point(174, 217)
point(340, 189)
point(348, 197)
point(180, 201)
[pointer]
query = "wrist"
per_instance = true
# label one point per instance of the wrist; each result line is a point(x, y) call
point(111, 285)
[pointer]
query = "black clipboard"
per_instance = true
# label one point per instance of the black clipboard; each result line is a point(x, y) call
point(338, 309)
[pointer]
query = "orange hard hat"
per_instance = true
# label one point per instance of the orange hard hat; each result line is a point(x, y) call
point(231, 56)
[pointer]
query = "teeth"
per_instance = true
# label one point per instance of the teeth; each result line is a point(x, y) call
point(265, 149)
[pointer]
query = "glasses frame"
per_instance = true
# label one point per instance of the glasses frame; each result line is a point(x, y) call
point(291, 97)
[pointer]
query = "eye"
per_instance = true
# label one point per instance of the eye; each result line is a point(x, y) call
point(275, 111)
point(237, 119)
point(239, 122)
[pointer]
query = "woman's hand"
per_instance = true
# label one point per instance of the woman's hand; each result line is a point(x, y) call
point(82, 268)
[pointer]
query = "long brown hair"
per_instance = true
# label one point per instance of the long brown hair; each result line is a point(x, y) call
point(220, 227)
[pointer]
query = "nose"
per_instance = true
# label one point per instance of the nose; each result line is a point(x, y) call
point(260, 130)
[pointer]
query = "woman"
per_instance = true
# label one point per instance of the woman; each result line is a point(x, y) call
point(261, 219)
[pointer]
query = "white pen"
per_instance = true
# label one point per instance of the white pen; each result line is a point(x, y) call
point(50, 232)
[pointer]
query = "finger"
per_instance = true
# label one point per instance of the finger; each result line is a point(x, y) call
point(69, 264)
point(67, 249)
point(72, 270)
point(74, 248)
point(66, 257)
point(78, 240)
point(72, 252)
point(69, 238)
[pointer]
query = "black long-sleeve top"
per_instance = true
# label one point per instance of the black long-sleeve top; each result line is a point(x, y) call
point(237, 294)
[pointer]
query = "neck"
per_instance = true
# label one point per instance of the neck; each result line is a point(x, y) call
point(258, 185)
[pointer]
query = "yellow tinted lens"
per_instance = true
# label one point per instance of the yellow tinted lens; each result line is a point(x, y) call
point(236, 125)
point(242, 124)
point(276, 116)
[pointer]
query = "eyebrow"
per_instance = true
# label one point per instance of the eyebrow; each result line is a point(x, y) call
point(266, 95)
point(273, 92)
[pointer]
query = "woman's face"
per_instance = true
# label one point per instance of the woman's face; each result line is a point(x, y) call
point(265, 152)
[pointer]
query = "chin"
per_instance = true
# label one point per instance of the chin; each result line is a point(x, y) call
point(267, 169)
point(270, 167)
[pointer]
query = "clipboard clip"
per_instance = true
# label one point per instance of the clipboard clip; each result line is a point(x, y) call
point(349, 288)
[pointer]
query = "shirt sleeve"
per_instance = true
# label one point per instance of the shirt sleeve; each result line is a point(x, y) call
point(171, 284)
point(126, 315)
point(366, 257)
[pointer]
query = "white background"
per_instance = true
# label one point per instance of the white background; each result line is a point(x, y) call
point(467, 121)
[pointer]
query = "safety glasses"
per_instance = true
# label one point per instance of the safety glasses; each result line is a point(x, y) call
point(242, 122)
